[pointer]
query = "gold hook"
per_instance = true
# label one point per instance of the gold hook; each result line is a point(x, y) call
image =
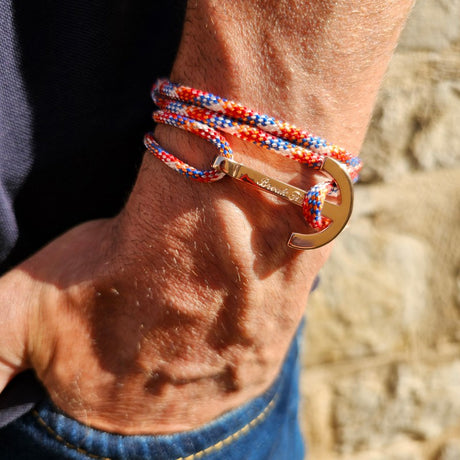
point(338, 213)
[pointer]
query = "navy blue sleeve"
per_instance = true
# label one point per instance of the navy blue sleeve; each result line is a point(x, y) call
point(75, 80)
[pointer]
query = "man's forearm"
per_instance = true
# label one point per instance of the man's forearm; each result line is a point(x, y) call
point(315, 64)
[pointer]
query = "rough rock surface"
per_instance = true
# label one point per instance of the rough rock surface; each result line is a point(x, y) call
point(381, 377)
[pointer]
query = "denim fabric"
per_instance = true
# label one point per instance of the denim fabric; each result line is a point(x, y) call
point(265, 428)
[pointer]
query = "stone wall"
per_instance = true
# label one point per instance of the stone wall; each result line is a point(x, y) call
point(382, 353)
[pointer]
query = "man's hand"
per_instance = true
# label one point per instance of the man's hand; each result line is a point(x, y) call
point(184, 305)
point(156, 324)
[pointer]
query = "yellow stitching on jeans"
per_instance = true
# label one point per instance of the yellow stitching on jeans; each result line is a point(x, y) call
point(233, 437)
point(63, 441)
point(214, 448)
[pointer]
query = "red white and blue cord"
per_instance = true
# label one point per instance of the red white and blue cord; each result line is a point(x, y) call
point(210, 116)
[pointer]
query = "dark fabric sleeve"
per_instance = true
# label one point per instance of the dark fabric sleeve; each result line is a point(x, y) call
point(21, 394)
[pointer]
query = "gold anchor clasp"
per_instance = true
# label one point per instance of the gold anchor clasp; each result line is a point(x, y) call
point(338, 212)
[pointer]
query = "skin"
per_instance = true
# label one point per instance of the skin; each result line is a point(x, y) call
point(183, 306)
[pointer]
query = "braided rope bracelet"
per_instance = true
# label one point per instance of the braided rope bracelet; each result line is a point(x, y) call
point(207, 116)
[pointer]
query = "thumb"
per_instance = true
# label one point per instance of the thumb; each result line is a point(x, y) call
point(15, 290)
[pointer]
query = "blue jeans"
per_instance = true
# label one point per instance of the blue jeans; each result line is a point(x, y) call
point(265, 428)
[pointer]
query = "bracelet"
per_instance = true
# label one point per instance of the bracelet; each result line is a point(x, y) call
point(207, 116)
